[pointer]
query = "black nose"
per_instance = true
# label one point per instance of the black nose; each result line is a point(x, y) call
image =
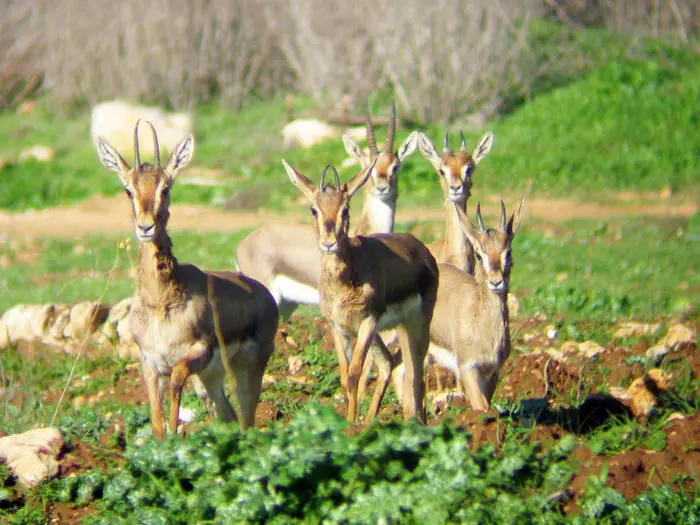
point(146, 229)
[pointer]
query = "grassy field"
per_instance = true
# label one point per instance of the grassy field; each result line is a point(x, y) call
point(627, 121)
point(555, 448)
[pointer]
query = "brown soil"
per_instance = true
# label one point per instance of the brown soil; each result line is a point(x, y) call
point(98, 215)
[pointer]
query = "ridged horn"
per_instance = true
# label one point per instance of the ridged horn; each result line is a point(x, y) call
point(156, 147)
point(446, 145)
point(137, 153)
point(392, 129)
point(323, 177)
point(479, 218)
point(503, 217)
point(463, 147)
point(371, 140)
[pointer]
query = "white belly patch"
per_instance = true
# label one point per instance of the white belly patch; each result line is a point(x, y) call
point(396, 313)
point(443, 357)
point(286, 289)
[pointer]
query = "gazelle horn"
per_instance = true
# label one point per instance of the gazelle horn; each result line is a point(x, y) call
point(371, 140)
point(479, 219)
point(392, 129)
point(137, 153)
point(156, 147)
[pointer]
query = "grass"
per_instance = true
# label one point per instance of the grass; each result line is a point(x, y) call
point(626, 118)
point(625, 267)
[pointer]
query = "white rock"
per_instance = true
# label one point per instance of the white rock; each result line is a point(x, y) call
point(187, 415)
point(115, 121)
point(38, 153)
point(657, 351)
point(31, 456)
point(634, 329)
point(27, 322)
point(85, 317)
point(308, 132)
point(677, 335)
point(295, 364)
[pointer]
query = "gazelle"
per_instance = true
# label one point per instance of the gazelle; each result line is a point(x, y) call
point(285, 257)
point(369, 284)
point(470, 333)
point(177, 308)
point(455, 170)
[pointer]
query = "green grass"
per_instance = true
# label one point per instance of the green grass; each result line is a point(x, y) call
point(625, 118)
point(626, 267)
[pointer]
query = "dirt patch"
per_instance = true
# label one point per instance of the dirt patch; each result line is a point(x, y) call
point(99, 215)
point(637, 471)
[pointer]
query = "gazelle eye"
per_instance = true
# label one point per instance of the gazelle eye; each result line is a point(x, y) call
point(346, 213)
point(314, 212)
point(165, 192)
point(128, 193)
point(441, 171)
point(478, 256)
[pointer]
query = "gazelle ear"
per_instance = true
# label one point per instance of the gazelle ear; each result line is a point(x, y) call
point(302, 182)
point(181, 156)
point(482, 148)
point(354, 150)
point(427, 149)
point(467, 227)
point(359, 179)
point(409, 146)
point(516, 219)
point(112, 159)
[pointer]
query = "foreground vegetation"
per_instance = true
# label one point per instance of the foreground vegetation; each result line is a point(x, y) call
point(627, 119)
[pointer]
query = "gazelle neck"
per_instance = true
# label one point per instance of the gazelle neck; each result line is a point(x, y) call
point(377, 214)
point(156, 283)
point(456, 243)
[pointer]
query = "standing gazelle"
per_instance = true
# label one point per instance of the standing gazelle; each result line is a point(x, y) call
point(180, 313)
point(369, 284)
point(455, 170)
point(470, 333)
point(285, 257)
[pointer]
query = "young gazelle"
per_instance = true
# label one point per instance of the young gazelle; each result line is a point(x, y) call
point(469, 333)
point(455, 170)
point(285, 257)
point(175, 308)
point(369, 284)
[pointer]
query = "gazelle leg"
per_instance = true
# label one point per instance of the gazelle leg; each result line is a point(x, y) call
point(343, 350)
point(193, 361)
point(152, 380)
point(177, 382)
point(471, 380)
point(365, 338)
point(384, 363)
point(414, 341)
point(364, 377)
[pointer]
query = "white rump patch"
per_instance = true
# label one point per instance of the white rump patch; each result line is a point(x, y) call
point(443, 357)
point(286, 289)
point(396, 313)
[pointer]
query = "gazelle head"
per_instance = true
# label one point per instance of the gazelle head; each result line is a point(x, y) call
point(147, 185)
point(455, 169)
point(383, 182)
point(492, 247)
point(330, 204)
